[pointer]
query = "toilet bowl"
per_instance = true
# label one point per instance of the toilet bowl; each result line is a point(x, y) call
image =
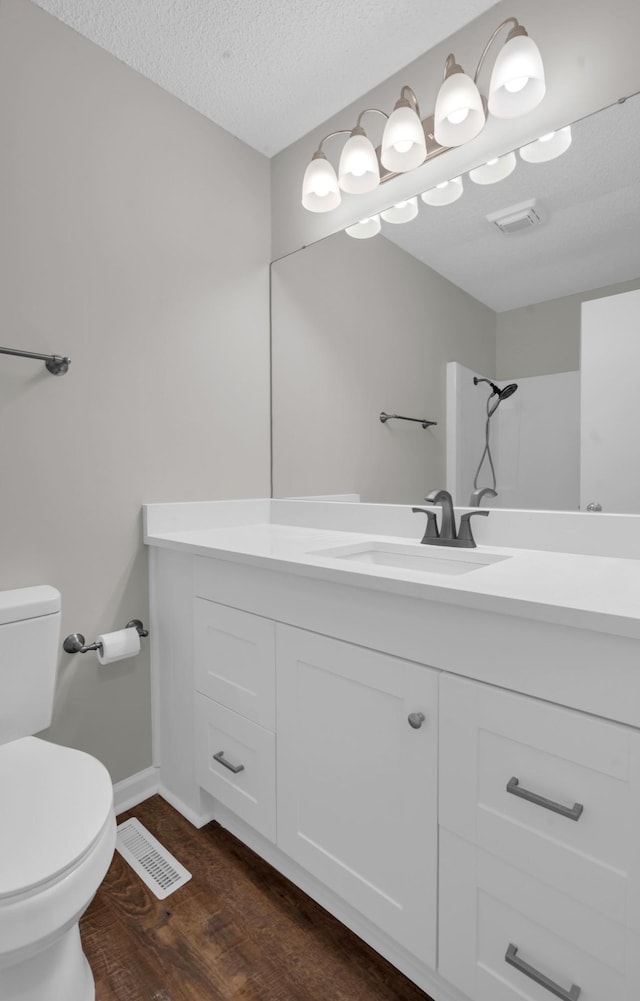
point(57, 839)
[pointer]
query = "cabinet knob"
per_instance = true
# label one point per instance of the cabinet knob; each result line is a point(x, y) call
point(416, 720)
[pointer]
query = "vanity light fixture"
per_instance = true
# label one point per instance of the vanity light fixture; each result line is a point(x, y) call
point(547, 147)
point(516, 86)
point(459, 115)
point(401, 212)
point(359, 170)
point(320, 191)
point(364, 229)
point(494, 170)
point(445, 193)
point(517, 80)
point(404, 144)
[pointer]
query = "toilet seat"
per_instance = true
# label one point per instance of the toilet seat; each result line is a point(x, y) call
point(56, 804)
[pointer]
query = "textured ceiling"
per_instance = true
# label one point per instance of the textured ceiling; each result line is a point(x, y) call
point(267, 71)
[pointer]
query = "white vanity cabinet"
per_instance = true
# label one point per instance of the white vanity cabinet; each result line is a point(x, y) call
point(348, 738)
point(459, 785)
point(539, 849)
point(357, 779)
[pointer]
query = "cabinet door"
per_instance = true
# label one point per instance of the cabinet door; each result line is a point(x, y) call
point(357, 782)
point(551, 791)
point(505, 936)
point(234, 660)
point(236, 763)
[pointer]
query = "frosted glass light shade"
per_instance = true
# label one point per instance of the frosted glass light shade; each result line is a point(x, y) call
point(364, 229)
point(494, 170)
point(517, 81)
point(445, 193)
point(403, 142)
point(320, 191)
point(459, 114)
point(402, 212)
point(547, 147)
point(358, 170)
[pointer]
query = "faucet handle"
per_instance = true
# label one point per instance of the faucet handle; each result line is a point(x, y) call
point(464, 532)
point(432, 525)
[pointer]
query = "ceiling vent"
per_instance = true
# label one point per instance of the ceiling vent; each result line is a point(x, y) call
point(516, 217)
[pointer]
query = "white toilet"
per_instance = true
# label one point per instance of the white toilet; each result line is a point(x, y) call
point(57, 822)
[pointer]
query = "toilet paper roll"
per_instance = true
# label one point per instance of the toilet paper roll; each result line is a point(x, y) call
point(119, 645)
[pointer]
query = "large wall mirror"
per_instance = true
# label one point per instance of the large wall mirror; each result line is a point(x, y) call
point(404, 322)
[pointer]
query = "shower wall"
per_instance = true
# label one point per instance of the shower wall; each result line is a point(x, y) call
point(534, 440)
point(610, 361)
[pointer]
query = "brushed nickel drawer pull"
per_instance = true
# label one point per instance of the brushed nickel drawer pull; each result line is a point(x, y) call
point(512, 957)
point(571, 812)
point(227, 764)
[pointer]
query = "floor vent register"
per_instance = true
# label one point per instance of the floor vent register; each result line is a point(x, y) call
point(155, 866)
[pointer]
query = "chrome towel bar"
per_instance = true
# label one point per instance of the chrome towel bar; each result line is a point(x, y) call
point(55, 364)
point(396, 417)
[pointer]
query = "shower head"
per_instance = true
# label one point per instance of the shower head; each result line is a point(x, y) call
point(502, 394)
point(507, 390)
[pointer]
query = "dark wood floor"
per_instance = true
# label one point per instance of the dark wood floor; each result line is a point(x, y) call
point(238, 931)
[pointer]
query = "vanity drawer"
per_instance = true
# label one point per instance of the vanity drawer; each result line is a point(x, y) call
point(551, 791)
point(236, 763)
point(234, 657)
point(489, 910)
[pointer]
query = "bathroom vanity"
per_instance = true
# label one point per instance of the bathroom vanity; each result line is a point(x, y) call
point(441, 747)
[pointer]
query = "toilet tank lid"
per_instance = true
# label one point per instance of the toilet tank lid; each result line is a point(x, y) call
point(28, 603)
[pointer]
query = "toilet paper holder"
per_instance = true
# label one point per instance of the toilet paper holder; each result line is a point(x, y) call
point(74, 642)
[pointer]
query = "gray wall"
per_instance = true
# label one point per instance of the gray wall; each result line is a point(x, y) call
point(135, 238)
point(359, 327)
point(545, 338)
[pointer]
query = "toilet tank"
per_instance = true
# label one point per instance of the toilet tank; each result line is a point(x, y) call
point(29, 638)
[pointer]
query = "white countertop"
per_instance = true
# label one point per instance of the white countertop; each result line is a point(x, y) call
point(600, 593)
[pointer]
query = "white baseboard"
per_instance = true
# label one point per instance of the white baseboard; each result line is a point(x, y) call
point(135, 789)
point(138, 787)
point(197, 819)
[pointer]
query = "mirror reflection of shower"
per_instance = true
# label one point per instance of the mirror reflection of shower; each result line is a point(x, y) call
point(535, 437)
point(492, 405)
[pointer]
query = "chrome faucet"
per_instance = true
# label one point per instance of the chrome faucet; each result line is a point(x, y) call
point(448, 519)
point(447, 535)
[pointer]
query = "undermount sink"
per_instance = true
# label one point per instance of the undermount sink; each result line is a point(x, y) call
point(411, 556)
